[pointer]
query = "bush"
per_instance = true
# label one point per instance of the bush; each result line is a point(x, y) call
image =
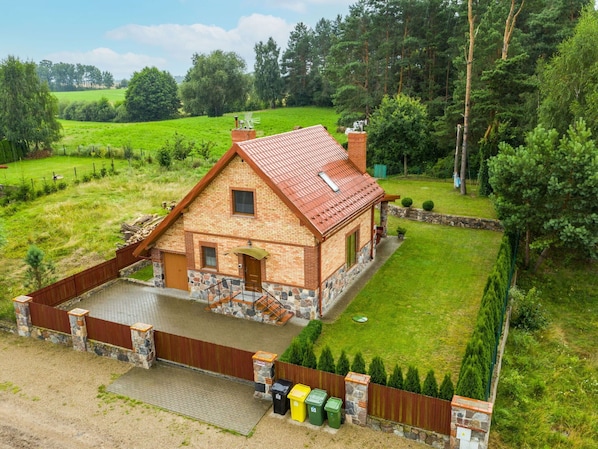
point(164, 157)
point(295, 352)
point(401, 231)
point(326, 362)
point(446, 390)
point(309, 333)
point(470, 384)
point(309, 357)
point(377, 371)
point(412, 382)
point(430, 387)
point(528, 313)
point(406, 202)
point(358, 365)
point(396, 378)
point(428, 205)
point(343, 366)
point(62, 185)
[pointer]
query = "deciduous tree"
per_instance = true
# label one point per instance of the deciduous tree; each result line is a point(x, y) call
point(268, 81)
point(152, 95)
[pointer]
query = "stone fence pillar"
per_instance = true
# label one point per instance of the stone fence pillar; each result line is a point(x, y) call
point(144, 346)
point(263, 374)
point(356, 398)
point(23, 315)
point(79, 328)
point(470, 423)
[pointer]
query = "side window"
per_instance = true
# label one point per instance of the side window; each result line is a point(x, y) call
point(208, 257)
point(352, 244)
point(243, 202)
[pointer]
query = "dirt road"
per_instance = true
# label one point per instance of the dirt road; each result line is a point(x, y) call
point(51, 397)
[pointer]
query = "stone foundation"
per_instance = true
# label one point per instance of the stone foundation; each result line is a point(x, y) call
point(427, 437)
point(411, 213)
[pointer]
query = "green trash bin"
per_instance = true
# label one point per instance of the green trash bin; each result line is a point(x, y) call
point(333, 410)
point(315, 406)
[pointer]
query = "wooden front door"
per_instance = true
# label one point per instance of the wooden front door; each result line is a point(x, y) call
point(253, 274)
point(175, 271)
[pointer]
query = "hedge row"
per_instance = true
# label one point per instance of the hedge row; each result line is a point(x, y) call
point(475, 375)
point(301, 352)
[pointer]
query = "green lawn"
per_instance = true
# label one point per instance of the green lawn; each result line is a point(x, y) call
point(421, 305)
point(113, 95)
point(548, 390)
point(152, 135)
point(447, 199)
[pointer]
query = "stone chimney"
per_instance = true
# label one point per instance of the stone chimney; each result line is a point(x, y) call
point(242, 134)
point(357, 149)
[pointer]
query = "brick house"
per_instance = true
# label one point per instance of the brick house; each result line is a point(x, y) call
point(289, 215)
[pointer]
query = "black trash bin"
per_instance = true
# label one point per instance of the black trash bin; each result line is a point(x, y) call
point(280, 390)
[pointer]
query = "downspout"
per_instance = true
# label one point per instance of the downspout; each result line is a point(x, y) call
point(373, 232)
point(320, 278)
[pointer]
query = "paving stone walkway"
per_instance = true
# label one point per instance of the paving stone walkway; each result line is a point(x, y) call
point(214, 400)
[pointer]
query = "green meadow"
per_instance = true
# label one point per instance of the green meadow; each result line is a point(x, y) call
point(112, 95)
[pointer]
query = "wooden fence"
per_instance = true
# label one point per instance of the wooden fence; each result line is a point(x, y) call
point(109, 332)
point(203, 355)
point(334, 384)
point(75, 285)
point(49, 317)
point(409, 408)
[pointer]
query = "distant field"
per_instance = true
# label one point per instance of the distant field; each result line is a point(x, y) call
point(113, 95)
point(152, 135)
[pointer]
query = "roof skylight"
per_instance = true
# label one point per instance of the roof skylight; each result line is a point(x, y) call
point(328, 181)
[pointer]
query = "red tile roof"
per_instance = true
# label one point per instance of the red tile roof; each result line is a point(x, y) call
point(290, 163)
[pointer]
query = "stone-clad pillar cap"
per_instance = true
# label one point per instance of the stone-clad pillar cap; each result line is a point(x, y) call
point(263, 356)
point(78, 312)
point(141, 327)
point(358, 378)
point(23, 299)
point(472, 404)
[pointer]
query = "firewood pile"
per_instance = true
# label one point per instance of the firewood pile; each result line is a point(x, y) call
point(139, 229)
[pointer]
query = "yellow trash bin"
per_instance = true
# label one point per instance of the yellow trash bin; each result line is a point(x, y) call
point(297, 398)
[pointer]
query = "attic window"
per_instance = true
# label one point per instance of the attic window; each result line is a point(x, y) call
point(328, 181)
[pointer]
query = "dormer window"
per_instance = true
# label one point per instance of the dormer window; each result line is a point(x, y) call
point(328, 181)
point(243, 202)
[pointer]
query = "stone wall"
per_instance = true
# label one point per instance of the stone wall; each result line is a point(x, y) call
point(427, 437)
point(411, 213)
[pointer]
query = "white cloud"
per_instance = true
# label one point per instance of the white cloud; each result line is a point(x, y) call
point(179, 42)
point(120, 65)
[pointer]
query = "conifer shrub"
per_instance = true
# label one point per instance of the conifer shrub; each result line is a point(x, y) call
point(309, 333)
point(446, 390)
point(470, 383)
point(377, 371)
point(428, 205)
point(358, 365)
point(430, 387)
point(296, 351)
point(342, 365)
point(326, 362)
point(309, 357)
point(396, 378)
point(412, 382)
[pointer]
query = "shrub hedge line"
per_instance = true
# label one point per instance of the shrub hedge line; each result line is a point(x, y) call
point(475, 375)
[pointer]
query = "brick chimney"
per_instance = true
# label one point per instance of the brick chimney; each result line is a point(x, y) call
point(242, 134)
point(357, 149)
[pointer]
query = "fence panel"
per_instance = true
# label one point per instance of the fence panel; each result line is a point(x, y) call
point(125, 257)
point(409, 408)
point(203, 355)
point(109, 332)
point(49, 318)
point(334, 384)
point(56, 293)
point(96, 276)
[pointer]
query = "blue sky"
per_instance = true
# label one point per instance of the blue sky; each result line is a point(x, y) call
point(127, 35)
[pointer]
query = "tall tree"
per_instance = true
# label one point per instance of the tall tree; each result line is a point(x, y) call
point(569, 85)
point(468, 80)
point(28, 111)
point(215, 84)
point(152, 95)
point(398, 130)
point(268, 81)
point(297, 65)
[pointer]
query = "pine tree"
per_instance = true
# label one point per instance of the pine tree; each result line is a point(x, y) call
point(343, 366)
point(446, 391)
point(396, 378)
point(326, 362)
point(377, 371)
point(430, 387)
point(470, 383)
point(412, 382)
point(309, 357)
point(296, 352)
point(358, 365)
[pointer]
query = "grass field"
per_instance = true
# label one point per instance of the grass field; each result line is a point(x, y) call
point(421, 305)
point(447, 199)
point(113, 95)
point(152, 135)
